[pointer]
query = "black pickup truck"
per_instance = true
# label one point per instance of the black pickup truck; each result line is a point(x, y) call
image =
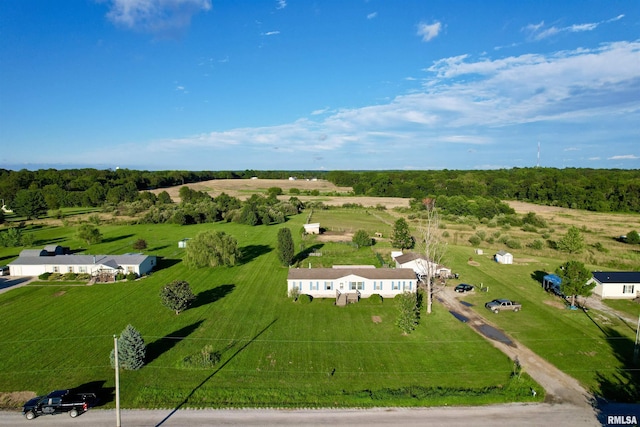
point(58, 401)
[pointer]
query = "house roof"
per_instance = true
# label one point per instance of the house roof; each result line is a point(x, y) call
point(503, 253)
point(408, 257)
point(337, 273)
point(112, 261)
point(617, 276)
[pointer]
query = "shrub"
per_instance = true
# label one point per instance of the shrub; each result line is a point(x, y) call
point(132, 276)
point(481, 234)
point(600, 247)
point(305, 299)
point(120, 276)
point(294, 294)
point(44, 276)
point(206, 358)
point(376, 299)
point(475, 240)
point(140, 244)
point(537, 244)
point(529, 228)
point(513, 244)
point(294, 191)
point(55, 276)
point(69, 276)
point(362, 238)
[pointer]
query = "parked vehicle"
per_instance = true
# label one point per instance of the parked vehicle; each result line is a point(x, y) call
point(463, 287)
point(58, 401)
point(498, 305)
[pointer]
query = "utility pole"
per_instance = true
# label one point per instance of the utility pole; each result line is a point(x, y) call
point(636, 347)
point(117, 366)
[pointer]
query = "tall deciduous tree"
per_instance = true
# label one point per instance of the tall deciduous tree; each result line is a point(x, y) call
point(177, 296)
point(574, 277)
point(132, 350)
point(433, 247)
point(572, 242)
point(285, 247)
point(89, 233)
point(212, 249)
point(402, 237)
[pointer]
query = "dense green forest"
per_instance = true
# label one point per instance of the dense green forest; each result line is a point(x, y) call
point(601, 190)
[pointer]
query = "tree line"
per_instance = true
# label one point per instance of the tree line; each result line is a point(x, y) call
point(599, 190)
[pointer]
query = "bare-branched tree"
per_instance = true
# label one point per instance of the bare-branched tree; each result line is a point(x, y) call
point(432, 246)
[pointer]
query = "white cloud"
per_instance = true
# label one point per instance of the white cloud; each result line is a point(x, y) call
point(372, 15)
point(429, 31)
point(624, 157)
point(271, 33)
point(281, 4)
point(155, 16)
point(539, 31)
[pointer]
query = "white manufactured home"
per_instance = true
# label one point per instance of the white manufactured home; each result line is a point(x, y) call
point(55, 259)
point(616, 284)
point(361, 280)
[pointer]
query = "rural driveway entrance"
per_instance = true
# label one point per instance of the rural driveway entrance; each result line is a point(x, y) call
point(560, 387)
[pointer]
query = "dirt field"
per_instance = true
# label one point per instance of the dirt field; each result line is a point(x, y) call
point(244, 188)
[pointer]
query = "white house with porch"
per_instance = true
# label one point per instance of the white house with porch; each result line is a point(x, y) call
point(616, 284)
point(56, 259)
point(420, 264)
point(361, 280)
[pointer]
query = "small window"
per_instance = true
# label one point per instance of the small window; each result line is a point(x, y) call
point(70, 269)
point(628, 289)
point(328, 286)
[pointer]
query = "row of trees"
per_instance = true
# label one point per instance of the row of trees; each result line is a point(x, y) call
point(599, 190)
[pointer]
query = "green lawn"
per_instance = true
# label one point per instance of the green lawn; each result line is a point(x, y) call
point(279, 353)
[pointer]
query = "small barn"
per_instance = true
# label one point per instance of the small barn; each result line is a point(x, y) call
point(183, 243)
point(616, 284)
point(503, 257)
point(313, 228)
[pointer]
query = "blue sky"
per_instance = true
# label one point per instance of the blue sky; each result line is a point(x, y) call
point(319, 84)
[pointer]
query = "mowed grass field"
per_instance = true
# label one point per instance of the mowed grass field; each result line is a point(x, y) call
point(275, 353)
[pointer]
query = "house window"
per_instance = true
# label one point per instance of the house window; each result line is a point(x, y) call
point(410, 285)
point(70, 269)
point(377, 286)
point(82, 269)
point(130, 269)
point(328, 286)
point(314, 286)
point(56, 269)
point(352, 286)
point(395, 286)
point(628, 289)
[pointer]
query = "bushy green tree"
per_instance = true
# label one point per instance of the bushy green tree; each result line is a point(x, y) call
point(574, 277)
point(89, 233)
point(401, 237)
point(132, 350)
point(140, 244)
point(177, 296)
point(408, 311)
point(212, 249)
point(30, 203)
point(572, 242)
point(633, 237)
point(285, 246)
point(362, 238)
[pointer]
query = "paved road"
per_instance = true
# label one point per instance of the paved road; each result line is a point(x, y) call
point(486, 416)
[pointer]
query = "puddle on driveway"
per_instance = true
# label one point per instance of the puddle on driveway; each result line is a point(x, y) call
point(494, 334)
point(459, 316)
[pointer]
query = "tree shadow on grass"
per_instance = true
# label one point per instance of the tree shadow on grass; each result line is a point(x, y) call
point(103, 394)
point(186, 399)
point(619, 392)
point(157, 248)
point(302, 255)
point(116, 238)
point(166, 343)
point(163, 263)
point(250, 252)
point(212, 295)
point(538, 275)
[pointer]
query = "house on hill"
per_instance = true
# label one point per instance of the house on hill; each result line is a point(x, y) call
point(56, 259)
point(359, 281)
point(419, 264)
point(503, 257)
point(616, 284)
